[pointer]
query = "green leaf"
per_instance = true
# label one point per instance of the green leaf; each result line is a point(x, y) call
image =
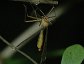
point(73, 55)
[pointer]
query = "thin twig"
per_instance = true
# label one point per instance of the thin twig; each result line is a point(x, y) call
point(15, 48)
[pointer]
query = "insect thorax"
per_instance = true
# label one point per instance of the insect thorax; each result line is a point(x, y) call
point(45, 22)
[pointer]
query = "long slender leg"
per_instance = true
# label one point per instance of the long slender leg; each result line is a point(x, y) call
point(51, 9)
point(50, 12)
point(27, 13)
point(33, 10)
point(36, 18)
point(40, 10)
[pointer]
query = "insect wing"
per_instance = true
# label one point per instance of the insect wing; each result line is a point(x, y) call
point(44, 52)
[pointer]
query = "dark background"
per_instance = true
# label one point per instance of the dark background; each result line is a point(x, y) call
point(67, 30)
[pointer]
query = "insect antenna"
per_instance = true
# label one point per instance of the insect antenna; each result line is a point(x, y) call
point(51, 9)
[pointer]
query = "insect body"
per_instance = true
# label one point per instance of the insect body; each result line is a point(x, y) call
point(44, 24)
point(40, 41)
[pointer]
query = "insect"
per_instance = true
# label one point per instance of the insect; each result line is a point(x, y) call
point(44, 22)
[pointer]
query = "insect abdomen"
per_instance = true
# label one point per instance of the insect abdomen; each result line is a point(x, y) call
point(40, 41)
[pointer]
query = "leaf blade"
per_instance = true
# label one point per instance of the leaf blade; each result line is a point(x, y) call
point(73, 55)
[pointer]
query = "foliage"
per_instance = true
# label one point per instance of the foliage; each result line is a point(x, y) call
point(73, 55)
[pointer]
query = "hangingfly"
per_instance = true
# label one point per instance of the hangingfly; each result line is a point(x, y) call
point(44, 23)
point(41, 43)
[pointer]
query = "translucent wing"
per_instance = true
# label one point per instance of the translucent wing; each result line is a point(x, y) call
point(44, 52)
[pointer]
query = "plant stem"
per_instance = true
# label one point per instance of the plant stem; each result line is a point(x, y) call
point(15, 48)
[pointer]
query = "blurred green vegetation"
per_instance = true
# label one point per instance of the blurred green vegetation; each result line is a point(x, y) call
point(71, 55)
